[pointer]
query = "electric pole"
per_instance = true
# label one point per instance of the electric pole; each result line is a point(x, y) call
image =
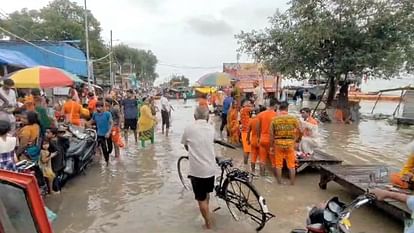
point(111, 77)
point(87, 47)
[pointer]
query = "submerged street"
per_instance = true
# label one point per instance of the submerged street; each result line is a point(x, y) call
point(141, 191)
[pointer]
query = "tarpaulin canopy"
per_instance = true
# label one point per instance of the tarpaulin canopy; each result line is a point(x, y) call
point(15, 58)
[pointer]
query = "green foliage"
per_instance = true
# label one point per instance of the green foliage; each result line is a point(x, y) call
point(144, 60)
point(330, 38)
point(64, 20)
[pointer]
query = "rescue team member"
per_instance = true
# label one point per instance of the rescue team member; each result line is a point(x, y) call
point(252, 139)
point(244, 119)
point(72, 111)
point(263, 129)
point(284, 131)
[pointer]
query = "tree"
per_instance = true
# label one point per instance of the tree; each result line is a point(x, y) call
point(179, 80)
point(60, 20)
point(144, 61)
point(336, 38)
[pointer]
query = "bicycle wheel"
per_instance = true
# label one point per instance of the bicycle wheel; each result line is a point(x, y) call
point(243, 202)
point(183, 167)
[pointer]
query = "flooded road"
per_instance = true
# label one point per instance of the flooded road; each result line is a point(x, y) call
point(141, 192)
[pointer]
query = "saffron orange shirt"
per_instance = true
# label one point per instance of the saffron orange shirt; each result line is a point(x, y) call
point(92, 105)
point(265, 119)
point(244, 118)
point(72, 110)
point(253, 126)
point(286, 129)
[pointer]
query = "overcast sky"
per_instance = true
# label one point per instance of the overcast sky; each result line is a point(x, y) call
point(183, 33)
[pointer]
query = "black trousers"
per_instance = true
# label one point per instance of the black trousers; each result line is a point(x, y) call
point(106, 145)
point(223, 121)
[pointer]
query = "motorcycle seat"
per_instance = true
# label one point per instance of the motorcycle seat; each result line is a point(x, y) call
point(317, 228)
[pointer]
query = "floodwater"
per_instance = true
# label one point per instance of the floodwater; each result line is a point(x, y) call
point(141, 192)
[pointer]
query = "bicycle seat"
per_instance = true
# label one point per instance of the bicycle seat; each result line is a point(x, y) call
point(317, 227)
point(224, 162)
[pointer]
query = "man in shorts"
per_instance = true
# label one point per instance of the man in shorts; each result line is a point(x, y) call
point(130, 112)
point(198, 140)
point(263, 128)
point(284, 131)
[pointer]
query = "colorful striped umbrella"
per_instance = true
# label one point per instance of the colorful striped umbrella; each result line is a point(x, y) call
point(43, 77)
point(216, 79)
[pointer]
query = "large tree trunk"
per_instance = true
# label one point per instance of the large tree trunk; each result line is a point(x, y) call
point(331, 91)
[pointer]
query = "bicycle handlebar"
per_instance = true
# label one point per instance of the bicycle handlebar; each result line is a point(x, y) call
point(225, 144)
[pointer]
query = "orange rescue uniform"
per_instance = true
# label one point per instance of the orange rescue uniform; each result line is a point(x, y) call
point(285, 132)
point(265, 119)
point(244, 119)
point(72, 111)
point(254, 143)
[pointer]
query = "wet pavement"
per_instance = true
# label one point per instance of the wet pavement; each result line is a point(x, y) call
point(141, 191)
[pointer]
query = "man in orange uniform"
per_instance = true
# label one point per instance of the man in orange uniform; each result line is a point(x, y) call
point(252, 139)
point(284, 131)
point(244, 119)
point(72, 111)
point(263, 129)
point(92, 102)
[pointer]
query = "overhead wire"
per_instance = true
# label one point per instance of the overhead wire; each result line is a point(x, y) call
point(51, 52)
point(189, 67)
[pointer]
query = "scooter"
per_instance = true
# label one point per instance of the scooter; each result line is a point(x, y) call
point(80, 153)
point(334, 218)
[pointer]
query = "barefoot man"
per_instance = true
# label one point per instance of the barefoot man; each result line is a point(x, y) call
point(198, 140)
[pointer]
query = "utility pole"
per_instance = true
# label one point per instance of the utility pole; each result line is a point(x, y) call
point(111, 77)
point(87, 47)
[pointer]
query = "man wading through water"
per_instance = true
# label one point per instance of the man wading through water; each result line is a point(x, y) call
point(198, 140)
point(103, 121)
point(130, 110)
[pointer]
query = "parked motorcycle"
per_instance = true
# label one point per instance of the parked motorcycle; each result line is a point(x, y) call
point(334, 218)
point(80, 153)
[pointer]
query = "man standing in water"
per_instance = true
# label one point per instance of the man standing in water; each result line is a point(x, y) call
point(130, 112)
point(309, 128)
point(263, 129)
point(198, 140)
point(284, 131)
point(165, 114)
point(226, 107)
point(103, 121)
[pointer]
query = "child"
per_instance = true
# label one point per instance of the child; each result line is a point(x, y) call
point(46, 165)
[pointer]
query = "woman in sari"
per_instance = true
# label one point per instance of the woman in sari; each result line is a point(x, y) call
point(146, 123)
point(233, 123)
point(29, 134)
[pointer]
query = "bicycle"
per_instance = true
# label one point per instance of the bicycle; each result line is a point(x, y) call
point(235, 187)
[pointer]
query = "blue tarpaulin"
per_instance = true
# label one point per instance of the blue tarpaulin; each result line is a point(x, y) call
point(15, 58)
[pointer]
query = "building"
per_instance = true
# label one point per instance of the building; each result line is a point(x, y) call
point(51, 53)
point(248, 73)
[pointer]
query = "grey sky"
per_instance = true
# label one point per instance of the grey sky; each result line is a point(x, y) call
point(190, 33)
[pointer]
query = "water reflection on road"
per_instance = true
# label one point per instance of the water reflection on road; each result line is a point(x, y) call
point(140, 192)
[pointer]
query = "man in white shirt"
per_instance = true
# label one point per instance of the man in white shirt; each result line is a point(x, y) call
point(165, 114)
point(198, 140)
point(6, 112)
point(258, 95)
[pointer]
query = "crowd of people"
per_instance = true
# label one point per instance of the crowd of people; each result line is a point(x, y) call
point(34, 128)
point(266, 131)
